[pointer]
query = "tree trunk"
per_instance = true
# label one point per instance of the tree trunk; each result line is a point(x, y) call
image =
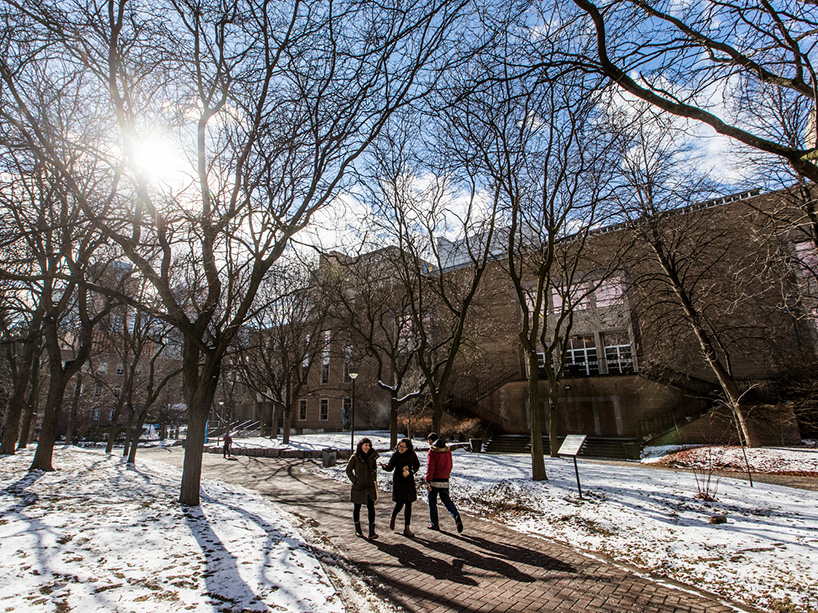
point(285, 432)
point(553, 422)
point(137, 430)
point(72, 417)
point(262, 422)
point(537, 459)
point(729, 387)
point(278, 411)
point(48, 433)
point(194, 445)
point(26, 431)
point(25, 372)
point(129, 433)
point(437, 412)
point(113, 431)
point(200, 385)
point(393, 423)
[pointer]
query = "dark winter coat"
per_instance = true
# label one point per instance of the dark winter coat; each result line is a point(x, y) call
point(363, 472)
point(403, 488)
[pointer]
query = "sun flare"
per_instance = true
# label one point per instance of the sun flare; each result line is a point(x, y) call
point(159, 158)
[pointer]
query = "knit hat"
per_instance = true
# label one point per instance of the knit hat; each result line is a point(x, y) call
point(440, 443)
point(432, 437)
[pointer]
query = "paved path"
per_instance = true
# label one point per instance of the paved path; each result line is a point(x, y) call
point(487, 568)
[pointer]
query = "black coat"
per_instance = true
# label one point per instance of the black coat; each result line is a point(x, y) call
point(363, 474)
point(403, 488)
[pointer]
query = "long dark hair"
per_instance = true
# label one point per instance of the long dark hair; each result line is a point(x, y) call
point(406, 442)
point(359, 452)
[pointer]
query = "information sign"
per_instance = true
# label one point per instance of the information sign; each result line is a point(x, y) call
point(572, 444)
point(570, 447)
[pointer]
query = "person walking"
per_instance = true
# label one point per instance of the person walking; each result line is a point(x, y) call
point(404, 464)
point(438, 469)
point(228, 443)
point(362, 471)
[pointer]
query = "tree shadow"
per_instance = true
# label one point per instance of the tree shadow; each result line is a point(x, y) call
point(19, 489)
point(467, 557)
point(517, 554)
point(223, 583)
point(412, 558)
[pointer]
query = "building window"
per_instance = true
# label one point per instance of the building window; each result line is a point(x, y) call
point(98, 389)
point(807, 258)
point(618, 354)
point(111, 415)
point(581, 358)
point(302, 409)
point(102, 368)
point(117, 391)
point(305, 362)
point(327, 342)
point(120, 369)
point(579, 296)
point(609, 293)
point(324, 415)
point(346, 372)
point(95, 414)
point(346, 413)
point(325, 357)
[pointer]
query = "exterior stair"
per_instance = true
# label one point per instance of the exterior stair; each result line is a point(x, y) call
point(594, 447)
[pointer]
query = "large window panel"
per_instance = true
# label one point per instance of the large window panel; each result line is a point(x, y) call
point(618, 355)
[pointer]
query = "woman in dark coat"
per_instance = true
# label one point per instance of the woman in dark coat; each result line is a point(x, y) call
point(404, 464)
point(362, 470)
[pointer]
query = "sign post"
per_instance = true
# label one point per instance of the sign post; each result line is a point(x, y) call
point(570, 447)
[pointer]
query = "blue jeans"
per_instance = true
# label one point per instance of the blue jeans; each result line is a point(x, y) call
point(443, 492)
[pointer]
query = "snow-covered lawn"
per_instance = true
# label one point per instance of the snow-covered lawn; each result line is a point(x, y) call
point(96, 536)
point(766, 554)
point(768, 460)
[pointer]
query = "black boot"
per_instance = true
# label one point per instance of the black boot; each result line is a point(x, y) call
point(358, 530)
point(372, 534)
point(392, 522)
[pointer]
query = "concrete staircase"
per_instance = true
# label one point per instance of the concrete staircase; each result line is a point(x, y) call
point(595, 447)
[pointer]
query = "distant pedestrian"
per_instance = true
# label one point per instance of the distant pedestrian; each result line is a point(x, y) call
point(228, 444)
point(362, 470)
point(438, 470)
point(404, 464)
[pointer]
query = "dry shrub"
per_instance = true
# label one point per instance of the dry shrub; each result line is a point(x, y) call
point(451, 428)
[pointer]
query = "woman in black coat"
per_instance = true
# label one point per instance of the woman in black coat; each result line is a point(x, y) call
point(404, 464)
point(362, 470)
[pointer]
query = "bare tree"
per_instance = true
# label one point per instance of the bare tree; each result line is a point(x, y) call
point(539, 143)
point(22, 344)
point(706, 287)
point(274, 102)
point(414, 206)
point(373, 306)
point(732, 66)
point(283, 339)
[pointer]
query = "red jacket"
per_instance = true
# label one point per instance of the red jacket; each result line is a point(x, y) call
point(438, 464)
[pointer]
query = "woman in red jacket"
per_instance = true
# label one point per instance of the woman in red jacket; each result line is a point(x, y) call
point(438, 469)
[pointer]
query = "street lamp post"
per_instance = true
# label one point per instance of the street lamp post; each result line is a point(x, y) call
point(353, 376)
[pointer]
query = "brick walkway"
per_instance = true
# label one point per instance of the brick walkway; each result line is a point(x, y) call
point(487, 568)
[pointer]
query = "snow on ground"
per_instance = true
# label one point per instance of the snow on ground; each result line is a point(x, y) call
point(768, 460)
point(97, 536)
point(766, 554)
